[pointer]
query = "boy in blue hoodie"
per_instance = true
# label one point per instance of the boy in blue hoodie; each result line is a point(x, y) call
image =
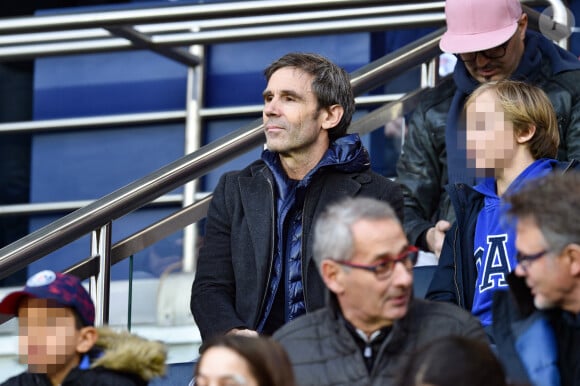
point(511, 137)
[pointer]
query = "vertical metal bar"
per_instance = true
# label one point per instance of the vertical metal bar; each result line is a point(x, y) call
point(130, 295)
point(429, 72)
point(424, 77)
point(93, 279)
point(560, 16)
point(193, 135)
point(101, 246)
point(434, 71)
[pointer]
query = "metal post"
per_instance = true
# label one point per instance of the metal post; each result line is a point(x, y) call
point(193, 135)
point(101, 246)
point(430, 72)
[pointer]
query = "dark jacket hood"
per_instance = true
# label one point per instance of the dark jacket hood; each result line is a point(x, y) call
point(346, 154)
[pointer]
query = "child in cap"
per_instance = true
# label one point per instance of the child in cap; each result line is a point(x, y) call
point(58, 340)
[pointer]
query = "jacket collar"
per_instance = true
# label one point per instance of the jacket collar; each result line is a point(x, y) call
point(398, 331)
point(346, 154)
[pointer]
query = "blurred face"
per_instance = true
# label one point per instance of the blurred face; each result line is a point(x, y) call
point(221, 366)
point(48, 336)
point(367, 302)
point(292, 121)
point(548, 276)
point(485, 69)
point(490, 137)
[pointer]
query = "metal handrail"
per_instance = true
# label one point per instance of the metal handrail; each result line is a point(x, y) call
point(104, 121)
point(124, 29)
point(177, 12)
point(320, 22)
point(69, 206)
point(172, 12)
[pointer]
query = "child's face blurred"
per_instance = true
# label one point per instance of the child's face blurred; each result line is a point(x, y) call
point(48, 336)
point(490, 137)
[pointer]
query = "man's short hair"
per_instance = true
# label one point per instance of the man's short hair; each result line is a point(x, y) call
point(526, 105)
point(553, 203)
point(331, 85)
point(333, 238)
point(476, 25)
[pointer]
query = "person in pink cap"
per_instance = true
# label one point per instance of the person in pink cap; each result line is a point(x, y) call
point(60, 344)
point(492, 42)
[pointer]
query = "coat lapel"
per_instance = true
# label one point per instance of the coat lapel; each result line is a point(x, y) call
point(256, 194)
point(325, 189)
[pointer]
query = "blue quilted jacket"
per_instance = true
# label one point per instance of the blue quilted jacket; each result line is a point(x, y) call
point(347, 155)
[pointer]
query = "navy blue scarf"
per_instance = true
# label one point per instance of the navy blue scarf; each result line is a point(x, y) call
point(537, 47)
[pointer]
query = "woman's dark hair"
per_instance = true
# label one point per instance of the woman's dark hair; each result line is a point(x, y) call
point(454, 361)
point(266, 358)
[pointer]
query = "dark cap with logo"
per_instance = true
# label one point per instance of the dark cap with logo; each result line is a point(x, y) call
point(66, 290)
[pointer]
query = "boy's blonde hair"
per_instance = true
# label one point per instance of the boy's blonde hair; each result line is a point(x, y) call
point(526, 105)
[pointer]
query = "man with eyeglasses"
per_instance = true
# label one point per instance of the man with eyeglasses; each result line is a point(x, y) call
point(537, 323)
point(372, 324)
point(492, 42)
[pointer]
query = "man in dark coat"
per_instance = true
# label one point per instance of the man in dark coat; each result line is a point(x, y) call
point(372, 325)
point(255, 270)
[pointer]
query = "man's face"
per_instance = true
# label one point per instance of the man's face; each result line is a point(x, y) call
point(292, 120)
point(484, 69)
point(548, 276)
point(490, 137)
point(367, 302)
point(47, 336)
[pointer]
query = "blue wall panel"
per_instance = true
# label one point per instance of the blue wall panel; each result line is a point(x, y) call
point(217, 129)
point(90, 164)
point(113, 83)
point(234, 71)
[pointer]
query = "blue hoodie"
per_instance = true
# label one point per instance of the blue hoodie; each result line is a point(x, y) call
point(494, 243)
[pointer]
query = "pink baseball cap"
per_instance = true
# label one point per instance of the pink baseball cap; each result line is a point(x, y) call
point(476, 25)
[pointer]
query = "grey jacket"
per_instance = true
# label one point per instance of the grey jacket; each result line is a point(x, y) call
point(323, 352)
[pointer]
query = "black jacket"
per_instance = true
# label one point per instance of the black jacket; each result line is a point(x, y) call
point(235, 262)
point(323, 352)
point(94, 377)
